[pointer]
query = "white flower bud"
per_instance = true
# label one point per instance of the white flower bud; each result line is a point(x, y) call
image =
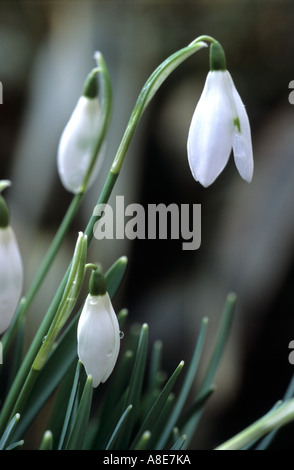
point(11, 276)
point(77, 144)
point(219, 124)
point(98, 337)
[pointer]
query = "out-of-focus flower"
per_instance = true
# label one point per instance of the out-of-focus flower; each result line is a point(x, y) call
point(219, 124)
point(11, 269)
point(98, 332)
point(78, 140)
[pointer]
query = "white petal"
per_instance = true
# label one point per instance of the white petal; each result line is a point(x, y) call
point(116, 338)
point(211, 131)
point(242, 143)
point(98, 338)
point(11, 276)
point(76, 144)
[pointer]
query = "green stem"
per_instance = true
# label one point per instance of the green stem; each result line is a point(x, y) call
point(20, 380)
point(27, 388)
point(43, 270)
point(148, 91)
point(272, 420)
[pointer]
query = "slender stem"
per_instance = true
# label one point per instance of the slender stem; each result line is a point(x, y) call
point(274, 419)
point(43, 270)
point(22, 398)
point(22, 383)
point(20, 380)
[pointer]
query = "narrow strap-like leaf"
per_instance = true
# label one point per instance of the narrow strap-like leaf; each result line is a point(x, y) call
point(221, 341)
point(135, 387)
point(69, 411)
point(189, 379)
point(143, 442)
point(47, 441)
point(178, 445)
point(115, 274)
point(8, 431)
point(120, 428)
point(78, 431)
point(156, 409)
point(155, 363)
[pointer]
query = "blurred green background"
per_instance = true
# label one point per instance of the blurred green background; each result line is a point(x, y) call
point(46, 51)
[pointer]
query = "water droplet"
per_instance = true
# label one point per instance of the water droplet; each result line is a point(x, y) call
point(44, 339)
point(121, 334)
point(109, 354)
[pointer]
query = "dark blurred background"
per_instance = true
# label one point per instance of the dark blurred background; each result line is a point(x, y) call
point(46, 51)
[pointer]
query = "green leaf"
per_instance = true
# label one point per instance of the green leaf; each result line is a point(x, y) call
point(15, 445)
point(156, 409)
point(4, 441)
point(275, 418)
point(114, 404)
point(221, 341)
point(56, 367)
point(47, 441)
point(69, 411)
point(61, 358)
point(77, 435)
point(163, 418)
point(189, 379)
point(115, 275)
point(155, 363)
point(119, 429)
point(68, 301)
point(135, 386)
point(143, 442)
point(178, 445)
point(196, 407)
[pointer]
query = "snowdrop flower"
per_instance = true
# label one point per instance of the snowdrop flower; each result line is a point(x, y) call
point(11, 269)
point(219, 124)
point(98, 332)
point(78, 140)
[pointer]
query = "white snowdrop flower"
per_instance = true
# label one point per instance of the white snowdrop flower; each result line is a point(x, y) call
point(98, 332)
point(219, 124)
point(11, 269)
point(78, 140)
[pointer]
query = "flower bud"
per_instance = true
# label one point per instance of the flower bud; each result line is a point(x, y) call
point(11, 269)
point(98, 332)
point(78, 141)
point(219, 125)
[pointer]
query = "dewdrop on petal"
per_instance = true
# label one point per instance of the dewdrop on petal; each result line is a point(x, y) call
point(98, 332)
point(78, 140)
point(219, 124)
point(11, 269)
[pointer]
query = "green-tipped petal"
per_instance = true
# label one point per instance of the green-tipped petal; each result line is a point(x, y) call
point(11, 276)
point(98, 337)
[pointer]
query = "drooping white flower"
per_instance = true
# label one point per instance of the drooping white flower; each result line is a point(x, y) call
point(98, 336)
point(11, 269)
point(77, 143)
point(219, 124)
